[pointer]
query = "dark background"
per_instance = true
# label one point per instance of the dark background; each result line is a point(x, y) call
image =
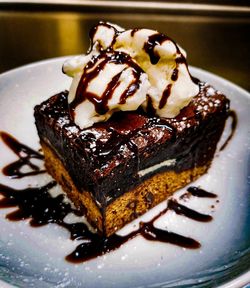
point(215, 37)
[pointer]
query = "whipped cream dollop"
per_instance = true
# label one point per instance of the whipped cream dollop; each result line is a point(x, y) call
point(127, 69)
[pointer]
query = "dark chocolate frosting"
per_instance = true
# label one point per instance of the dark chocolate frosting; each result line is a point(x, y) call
point(111, 153)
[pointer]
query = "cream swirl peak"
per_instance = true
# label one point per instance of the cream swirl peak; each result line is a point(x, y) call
point(127, 69)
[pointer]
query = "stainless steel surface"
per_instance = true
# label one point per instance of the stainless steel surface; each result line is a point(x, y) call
point(198, 5)
point(219, 44)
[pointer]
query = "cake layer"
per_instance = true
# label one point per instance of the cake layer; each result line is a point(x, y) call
point(127, 207)
point(114, 157)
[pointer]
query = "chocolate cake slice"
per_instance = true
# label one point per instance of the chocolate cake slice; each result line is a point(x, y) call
point(134, 127)
point(118, 169)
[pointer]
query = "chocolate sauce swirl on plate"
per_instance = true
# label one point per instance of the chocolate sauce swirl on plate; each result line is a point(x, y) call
point(189, 213)
point(25, 155)
point(232, 114)
point(38, 206)
point(199, 192)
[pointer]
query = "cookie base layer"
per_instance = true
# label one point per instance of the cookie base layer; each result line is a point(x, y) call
point(127, 207)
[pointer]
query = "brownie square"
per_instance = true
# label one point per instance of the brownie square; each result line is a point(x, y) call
point(118, 169)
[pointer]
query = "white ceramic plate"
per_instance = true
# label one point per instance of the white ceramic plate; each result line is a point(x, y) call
point(34, 257)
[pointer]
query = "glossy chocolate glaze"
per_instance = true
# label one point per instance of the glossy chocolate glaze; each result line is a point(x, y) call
point(111, 153)
point(25, 157)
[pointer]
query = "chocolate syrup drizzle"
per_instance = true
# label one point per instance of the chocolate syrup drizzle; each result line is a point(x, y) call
point(166, 93)
point(108, 55)
point(37, 205)
point(189, 213)
point(232, 114)
point(25, 155)
point(91, 71)
point(93, 31)
point(149, 46)
point(199, 192)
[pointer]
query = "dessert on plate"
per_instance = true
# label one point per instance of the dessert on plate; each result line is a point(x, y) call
point(133, 128)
